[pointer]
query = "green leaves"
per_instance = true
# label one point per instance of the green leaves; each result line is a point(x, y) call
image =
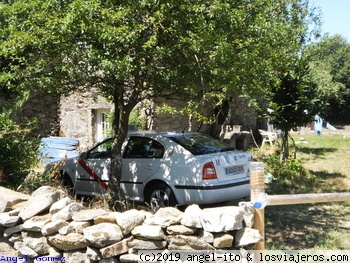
point(330, 64)
point(18, 153)
point(154, 47)
point(164, 45)
point(131, 50)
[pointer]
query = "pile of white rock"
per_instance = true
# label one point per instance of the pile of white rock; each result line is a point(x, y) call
point(51, 226)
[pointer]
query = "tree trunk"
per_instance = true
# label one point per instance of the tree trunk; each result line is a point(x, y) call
point(285, 146)
point(120, 130)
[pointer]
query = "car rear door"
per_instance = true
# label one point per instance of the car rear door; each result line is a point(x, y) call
point(142, 158)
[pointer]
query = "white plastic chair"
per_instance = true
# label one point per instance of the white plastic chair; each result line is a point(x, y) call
point(269, 137)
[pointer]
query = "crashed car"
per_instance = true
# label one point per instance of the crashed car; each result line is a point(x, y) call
point(164, 169)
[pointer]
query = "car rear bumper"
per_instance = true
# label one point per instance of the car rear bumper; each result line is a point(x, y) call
point(208, 194)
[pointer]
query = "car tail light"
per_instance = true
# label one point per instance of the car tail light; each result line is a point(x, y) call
point(209, 171)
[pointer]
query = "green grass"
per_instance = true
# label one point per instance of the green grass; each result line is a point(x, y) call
point(327, 157)
point(321, 225)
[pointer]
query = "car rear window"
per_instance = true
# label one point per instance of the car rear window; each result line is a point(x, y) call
point(198, 144)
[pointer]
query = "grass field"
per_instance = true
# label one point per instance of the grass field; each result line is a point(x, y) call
point(322, 225)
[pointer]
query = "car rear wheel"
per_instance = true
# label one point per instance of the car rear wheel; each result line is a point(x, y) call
point(160, 195)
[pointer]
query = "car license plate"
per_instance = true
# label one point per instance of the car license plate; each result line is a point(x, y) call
point(234, 170)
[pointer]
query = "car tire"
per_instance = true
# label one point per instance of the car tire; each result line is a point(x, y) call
point(160, 195)
point(67, 184)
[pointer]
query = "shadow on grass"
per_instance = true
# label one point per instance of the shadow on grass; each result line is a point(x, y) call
point(307, 226)
point(319, 152)
point(302, 226)
point(324, 175)
point(328, 182)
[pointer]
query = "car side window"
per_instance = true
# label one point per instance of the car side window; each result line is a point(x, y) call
point(103, 150)
point(142, 147)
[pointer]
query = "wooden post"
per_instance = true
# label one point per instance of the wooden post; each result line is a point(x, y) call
point(258, 187)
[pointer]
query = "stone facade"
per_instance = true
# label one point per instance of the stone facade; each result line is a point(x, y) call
point(57, 227)
point(76, 115)
point(81, 115)
point(45, 110)
point(239, 113)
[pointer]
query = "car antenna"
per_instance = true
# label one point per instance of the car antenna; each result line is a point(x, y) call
point(183, 131)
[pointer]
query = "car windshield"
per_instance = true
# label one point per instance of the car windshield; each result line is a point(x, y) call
point(198, 143)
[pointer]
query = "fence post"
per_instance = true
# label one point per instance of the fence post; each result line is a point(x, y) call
point(257, 184)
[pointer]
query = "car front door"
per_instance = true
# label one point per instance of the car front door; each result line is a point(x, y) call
point(93, 169)
point(142, 158)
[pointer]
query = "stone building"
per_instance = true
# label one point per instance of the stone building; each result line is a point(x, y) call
point(235, 121)
point(84, 116)
point(80, 115)
point(238, 113)
point(44, 110)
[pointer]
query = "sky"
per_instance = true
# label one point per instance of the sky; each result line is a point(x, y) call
point(335, 16)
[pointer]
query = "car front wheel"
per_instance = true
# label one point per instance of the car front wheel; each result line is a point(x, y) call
point(160, 195)
point(67, 184)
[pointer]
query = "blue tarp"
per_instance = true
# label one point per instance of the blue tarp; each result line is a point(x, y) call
point(56, 148)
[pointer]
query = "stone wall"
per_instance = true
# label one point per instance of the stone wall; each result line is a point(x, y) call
point(74, 116)
point(78, 116)
point(45, 110)
point(240, 113)
point(49, 226)
point(169, 121)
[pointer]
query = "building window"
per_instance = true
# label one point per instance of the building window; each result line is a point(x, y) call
point(102, 125)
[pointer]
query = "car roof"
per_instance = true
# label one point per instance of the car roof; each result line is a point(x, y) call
point(152, 133)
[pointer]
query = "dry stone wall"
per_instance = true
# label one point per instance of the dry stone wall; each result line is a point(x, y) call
point(49, 226)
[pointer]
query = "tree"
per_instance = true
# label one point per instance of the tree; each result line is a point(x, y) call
point(330, 63)
point(294, 103)
point(132, 50)
point(18, 153)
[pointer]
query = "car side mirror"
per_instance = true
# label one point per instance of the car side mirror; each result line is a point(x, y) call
point(84, 155)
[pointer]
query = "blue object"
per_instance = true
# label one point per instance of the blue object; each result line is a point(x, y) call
point(257, 205)
point(260, 201)
point(318, 124)
point(53, 149)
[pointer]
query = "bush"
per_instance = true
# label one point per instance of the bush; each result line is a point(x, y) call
point(18, 153)
point(290, 175)
point(138, 118)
